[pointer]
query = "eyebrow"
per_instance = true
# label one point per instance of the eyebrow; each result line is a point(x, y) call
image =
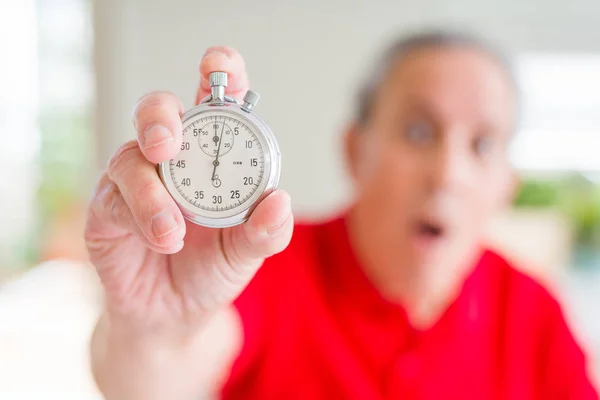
point(419, 106)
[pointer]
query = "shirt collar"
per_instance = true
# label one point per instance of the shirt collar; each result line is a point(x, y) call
point(469, 308)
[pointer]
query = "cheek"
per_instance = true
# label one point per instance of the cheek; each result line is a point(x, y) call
point(388, 176)
point(489, 198)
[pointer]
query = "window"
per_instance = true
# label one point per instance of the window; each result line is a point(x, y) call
point(45, 106)
point(560, 130)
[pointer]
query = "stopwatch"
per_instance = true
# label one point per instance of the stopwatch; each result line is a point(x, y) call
point(229, 159)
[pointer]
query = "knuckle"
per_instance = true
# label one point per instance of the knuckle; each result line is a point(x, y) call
point(152, 191)
point(164, 241)
point(110, 201)
point(114, 203)
point(90, 223)
point(240, 246)
point(276, 243)
point(122, 157)
point(149, 188)
point(106, 206)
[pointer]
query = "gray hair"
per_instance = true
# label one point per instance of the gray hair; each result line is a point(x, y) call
point(405, 46)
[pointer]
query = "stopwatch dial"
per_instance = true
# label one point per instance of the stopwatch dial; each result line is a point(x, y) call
point(230, 175)
point(213, 134)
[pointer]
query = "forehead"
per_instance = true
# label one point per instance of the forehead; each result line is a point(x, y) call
point(454, 82)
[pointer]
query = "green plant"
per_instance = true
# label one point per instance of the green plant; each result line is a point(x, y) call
point(65, 167)
point(576, 197)
point(581, 202)
point(537, 193)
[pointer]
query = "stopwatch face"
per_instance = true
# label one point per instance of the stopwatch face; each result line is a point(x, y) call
point(223, 167)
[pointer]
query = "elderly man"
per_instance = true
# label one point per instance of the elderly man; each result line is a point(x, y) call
point(395, 298)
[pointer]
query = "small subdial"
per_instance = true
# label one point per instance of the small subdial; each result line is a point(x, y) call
point(216, 137)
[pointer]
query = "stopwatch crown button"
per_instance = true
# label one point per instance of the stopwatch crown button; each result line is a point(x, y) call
point(250, 100)
point(217, 78)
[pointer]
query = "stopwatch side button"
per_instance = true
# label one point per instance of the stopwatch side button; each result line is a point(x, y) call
point(250, 100)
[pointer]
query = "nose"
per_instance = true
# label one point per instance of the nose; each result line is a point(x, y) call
point(452, 167)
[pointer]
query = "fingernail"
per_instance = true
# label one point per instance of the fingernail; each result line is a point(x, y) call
point(277, 228)
point(156, 135)
point(163, 224)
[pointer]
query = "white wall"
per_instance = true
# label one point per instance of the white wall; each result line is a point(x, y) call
point(303, 59)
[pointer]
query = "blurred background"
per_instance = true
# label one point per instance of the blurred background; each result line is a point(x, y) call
point(72, 70)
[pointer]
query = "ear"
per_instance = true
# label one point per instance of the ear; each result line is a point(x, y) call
point(351, 146)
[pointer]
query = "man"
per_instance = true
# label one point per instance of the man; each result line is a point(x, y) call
point(396, 298)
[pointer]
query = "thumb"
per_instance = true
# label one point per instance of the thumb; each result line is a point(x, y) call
point(267, 232)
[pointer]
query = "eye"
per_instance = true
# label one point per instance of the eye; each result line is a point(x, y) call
point(419, 132)
point(483, 145)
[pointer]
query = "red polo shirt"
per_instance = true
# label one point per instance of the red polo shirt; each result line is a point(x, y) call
point(315, 328)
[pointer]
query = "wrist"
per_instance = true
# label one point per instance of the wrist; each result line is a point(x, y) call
point(131, 361)
point(139, 334)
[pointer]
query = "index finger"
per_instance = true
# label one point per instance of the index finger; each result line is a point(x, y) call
point(225, 59)
point(157, 120)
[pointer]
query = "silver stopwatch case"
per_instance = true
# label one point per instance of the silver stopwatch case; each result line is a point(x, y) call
point(228, 106)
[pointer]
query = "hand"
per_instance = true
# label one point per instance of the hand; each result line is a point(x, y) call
point(162, 274)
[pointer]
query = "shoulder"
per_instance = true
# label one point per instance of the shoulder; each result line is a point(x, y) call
point(535, 324)
point(530, 311)
point(525, 309)
point(532, 314)
point(519, 287)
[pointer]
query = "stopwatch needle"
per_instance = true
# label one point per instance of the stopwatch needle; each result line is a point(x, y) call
point(216, 161)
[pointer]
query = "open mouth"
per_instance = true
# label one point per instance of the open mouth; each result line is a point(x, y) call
point(430, 230)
